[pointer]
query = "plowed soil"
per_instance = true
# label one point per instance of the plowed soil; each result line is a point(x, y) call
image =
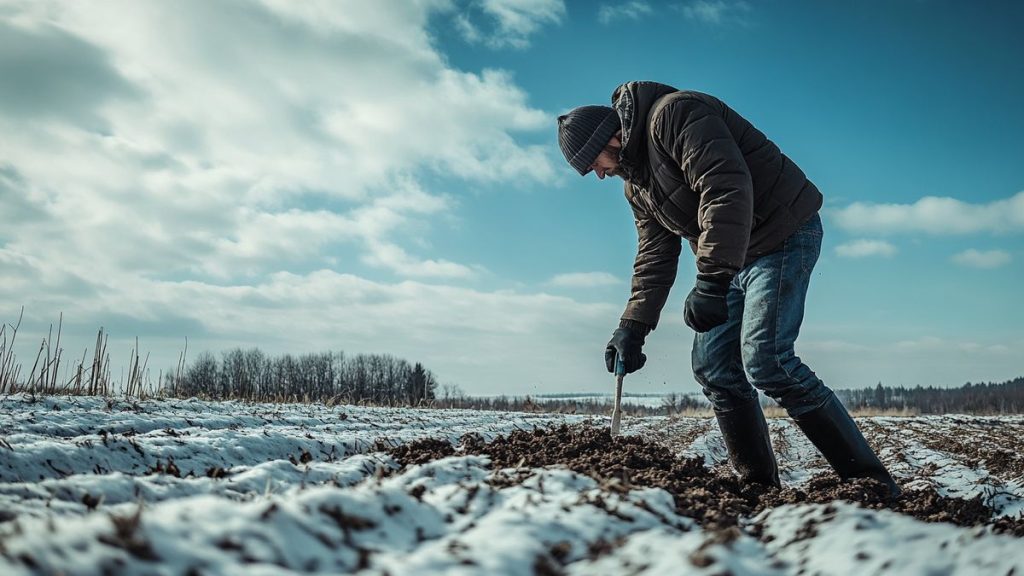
point(716, 500)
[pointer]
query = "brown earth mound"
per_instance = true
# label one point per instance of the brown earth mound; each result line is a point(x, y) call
point(715, 500)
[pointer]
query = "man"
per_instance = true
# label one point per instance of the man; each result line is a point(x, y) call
point(696, 169)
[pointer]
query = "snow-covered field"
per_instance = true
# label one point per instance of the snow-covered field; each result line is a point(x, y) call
point(96, 486)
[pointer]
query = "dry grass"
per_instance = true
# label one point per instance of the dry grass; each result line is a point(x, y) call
point(78, 379)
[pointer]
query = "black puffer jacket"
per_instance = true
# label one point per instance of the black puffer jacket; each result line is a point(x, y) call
point(698, 170)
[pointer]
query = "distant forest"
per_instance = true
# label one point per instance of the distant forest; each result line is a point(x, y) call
point(986, 398)
point(384, 380)
point(670, 404)
point(328, 376)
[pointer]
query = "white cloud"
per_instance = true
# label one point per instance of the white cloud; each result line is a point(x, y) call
point(935, 215)
point(632, 10)
point(992, 349)
point(470, 33)
point(395, 258)
point(218, 152)
point(864, 248)
point(838, 346)
point(982, 258)
point(584, 280)
point(716, 11)
point(924, 343)
point(208, 161)
point(266, 238)
point(514, 21)
point(934, 344)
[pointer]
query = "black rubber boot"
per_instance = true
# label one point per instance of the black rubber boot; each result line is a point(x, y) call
point(750, 449)
point(831, 429)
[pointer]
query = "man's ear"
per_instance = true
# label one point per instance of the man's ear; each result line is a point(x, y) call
point(616, 139)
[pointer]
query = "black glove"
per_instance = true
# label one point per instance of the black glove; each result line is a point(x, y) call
point(705, 306)
point(627, 343)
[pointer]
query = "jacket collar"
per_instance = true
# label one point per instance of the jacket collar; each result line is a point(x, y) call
point(633, 101)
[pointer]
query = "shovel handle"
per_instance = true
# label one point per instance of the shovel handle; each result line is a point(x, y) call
point(620, 373)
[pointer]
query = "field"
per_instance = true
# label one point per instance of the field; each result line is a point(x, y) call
point(100, 486)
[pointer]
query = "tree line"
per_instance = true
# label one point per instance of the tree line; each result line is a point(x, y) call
point(984, 398)
point(388, 381)
point(574, 403)
point(252, 375)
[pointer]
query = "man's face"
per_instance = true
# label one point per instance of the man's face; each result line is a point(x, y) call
point(607, 162)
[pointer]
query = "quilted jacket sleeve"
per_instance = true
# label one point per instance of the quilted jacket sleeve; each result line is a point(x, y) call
point(654, 270)
point(695, 133)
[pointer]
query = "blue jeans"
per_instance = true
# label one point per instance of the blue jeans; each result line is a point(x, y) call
point(754, 348)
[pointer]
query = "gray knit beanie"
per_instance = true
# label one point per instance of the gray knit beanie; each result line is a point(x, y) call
point(584, 132)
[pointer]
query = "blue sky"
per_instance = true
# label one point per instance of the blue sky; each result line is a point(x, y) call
point(384, 177)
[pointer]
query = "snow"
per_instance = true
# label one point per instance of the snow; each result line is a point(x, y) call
point(300, 489)
point(949, 472)
point(851, 540)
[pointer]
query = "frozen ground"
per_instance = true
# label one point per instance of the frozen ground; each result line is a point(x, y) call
point(91, 486)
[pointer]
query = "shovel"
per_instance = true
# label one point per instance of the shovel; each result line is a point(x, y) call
point(620, 373)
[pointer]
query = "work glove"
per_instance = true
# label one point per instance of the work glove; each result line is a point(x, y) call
point(705, 306)
point(627, 343)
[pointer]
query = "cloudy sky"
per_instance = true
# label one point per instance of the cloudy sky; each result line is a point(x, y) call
point(384, 177)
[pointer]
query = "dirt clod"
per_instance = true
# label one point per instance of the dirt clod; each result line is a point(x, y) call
point(422, 451)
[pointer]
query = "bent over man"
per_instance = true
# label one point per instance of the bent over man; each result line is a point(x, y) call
point(695, 169)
